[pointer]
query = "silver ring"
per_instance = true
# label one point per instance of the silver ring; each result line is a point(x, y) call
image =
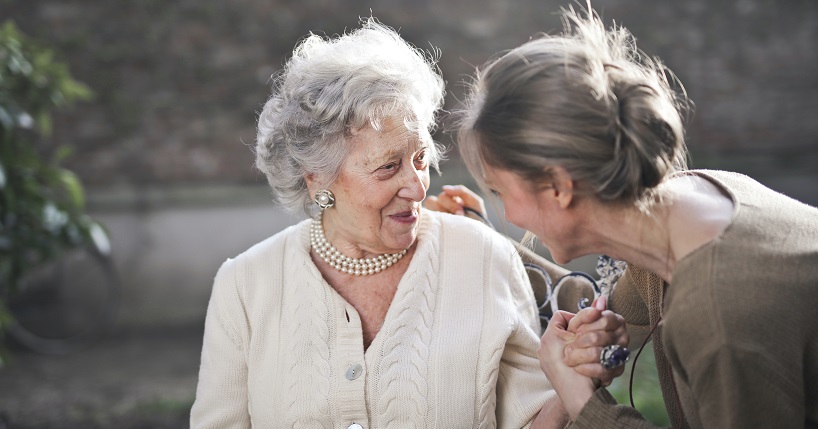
point(614, 356)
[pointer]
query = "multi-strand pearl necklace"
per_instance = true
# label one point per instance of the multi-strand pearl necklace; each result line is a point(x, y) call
point(358, 267)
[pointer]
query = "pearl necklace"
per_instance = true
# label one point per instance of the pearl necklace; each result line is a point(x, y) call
point(345, 264)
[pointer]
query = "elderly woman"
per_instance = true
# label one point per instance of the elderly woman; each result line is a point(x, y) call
point(581, 137)
point(374, 312)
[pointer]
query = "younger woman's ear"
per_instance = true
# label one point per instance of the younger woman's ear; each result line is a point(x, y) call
point(563, 186)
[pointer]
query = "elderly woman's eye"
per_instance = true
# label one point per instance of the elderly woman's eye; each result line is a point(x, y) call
point(495, 193)
point(390, 166)
point(422, 158)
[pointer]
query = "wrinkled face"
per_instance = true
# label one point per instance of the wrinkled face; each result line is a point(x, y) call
point(379, 191)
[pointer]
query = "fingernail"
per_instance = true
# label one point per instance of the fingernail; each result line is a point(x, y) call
point(600, 303)
point(460, 212)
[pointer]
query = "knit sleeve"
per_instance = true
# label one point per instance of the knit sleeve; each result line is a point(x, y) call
point(747, 366)
point(733, 383)
point(522, 388)
point(221, 395)
point(629, 299)
point(523, 295)
point(602, 411)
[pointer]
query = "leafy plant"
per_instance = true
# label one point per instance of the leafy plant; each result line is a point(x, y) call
point(41, 202)
point(647, 393)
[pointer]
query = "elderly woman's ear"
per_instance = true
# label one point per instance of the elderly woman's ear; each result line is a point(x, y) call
point(310, 179)
point(313, 185)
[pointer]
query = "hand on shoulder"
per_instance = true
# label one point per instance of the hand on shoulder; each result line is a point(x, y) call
point(458, 200)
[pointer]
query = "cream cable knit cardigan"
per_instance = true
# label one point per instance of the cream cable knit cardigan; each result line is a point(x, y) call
point(457, 348)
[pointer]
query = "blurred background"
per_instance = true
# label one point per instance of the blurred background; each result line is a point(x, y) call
point(163, 148)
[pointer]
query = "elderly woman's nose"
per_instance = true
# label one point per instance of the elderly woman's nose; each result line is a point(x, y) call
point(414, 185)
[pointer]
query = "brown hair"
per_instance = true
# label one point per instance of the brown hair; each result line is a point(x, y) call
point(586, 100)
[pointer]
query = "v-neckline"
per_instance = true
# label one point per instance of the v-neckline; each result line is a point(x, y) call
point(415, 268)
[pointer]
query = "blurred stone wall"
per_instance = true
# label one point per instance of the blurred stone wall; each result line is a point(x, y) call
point(164, 146)
point(179, 83)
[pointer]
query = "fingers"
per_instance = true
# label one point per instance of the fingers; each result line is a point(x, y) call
point(432, 204)
point(454, 199)
point(588, 344)
point(556, 329)
point(591, 314)
point(468, 197)
point(586, 316)
point(596, 371)
point(450, 203)
point(601, 338)
point(561, 319)
point(585, 361)
point(591, 319)
point(582, 356)
point(463, 192)
point(601, 303)
point(553, 340)
point(444, 203)
point(587, 348)
point(595, 330)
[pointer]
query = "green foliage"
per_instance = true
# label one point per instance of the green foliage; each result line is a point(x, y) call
point(41, 202)
point(647, 393)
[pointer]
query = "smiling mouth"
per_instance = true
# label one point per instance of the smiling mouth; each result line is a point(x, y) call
point(408, 216)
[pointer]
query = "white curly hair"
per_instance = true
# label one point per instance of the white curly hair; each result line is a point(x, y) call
point(332, 86)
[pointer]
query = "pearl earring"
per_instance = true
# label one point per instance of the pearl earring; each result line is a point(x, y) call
point(324, 199)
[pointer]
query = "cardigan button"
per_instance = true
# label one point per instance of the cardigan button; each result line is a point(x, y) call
point(355, 426)
point(354, 372)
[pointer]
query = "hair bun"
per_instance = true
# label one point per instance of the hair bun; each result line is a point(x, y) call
point(647, 137)
point(586, 100)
